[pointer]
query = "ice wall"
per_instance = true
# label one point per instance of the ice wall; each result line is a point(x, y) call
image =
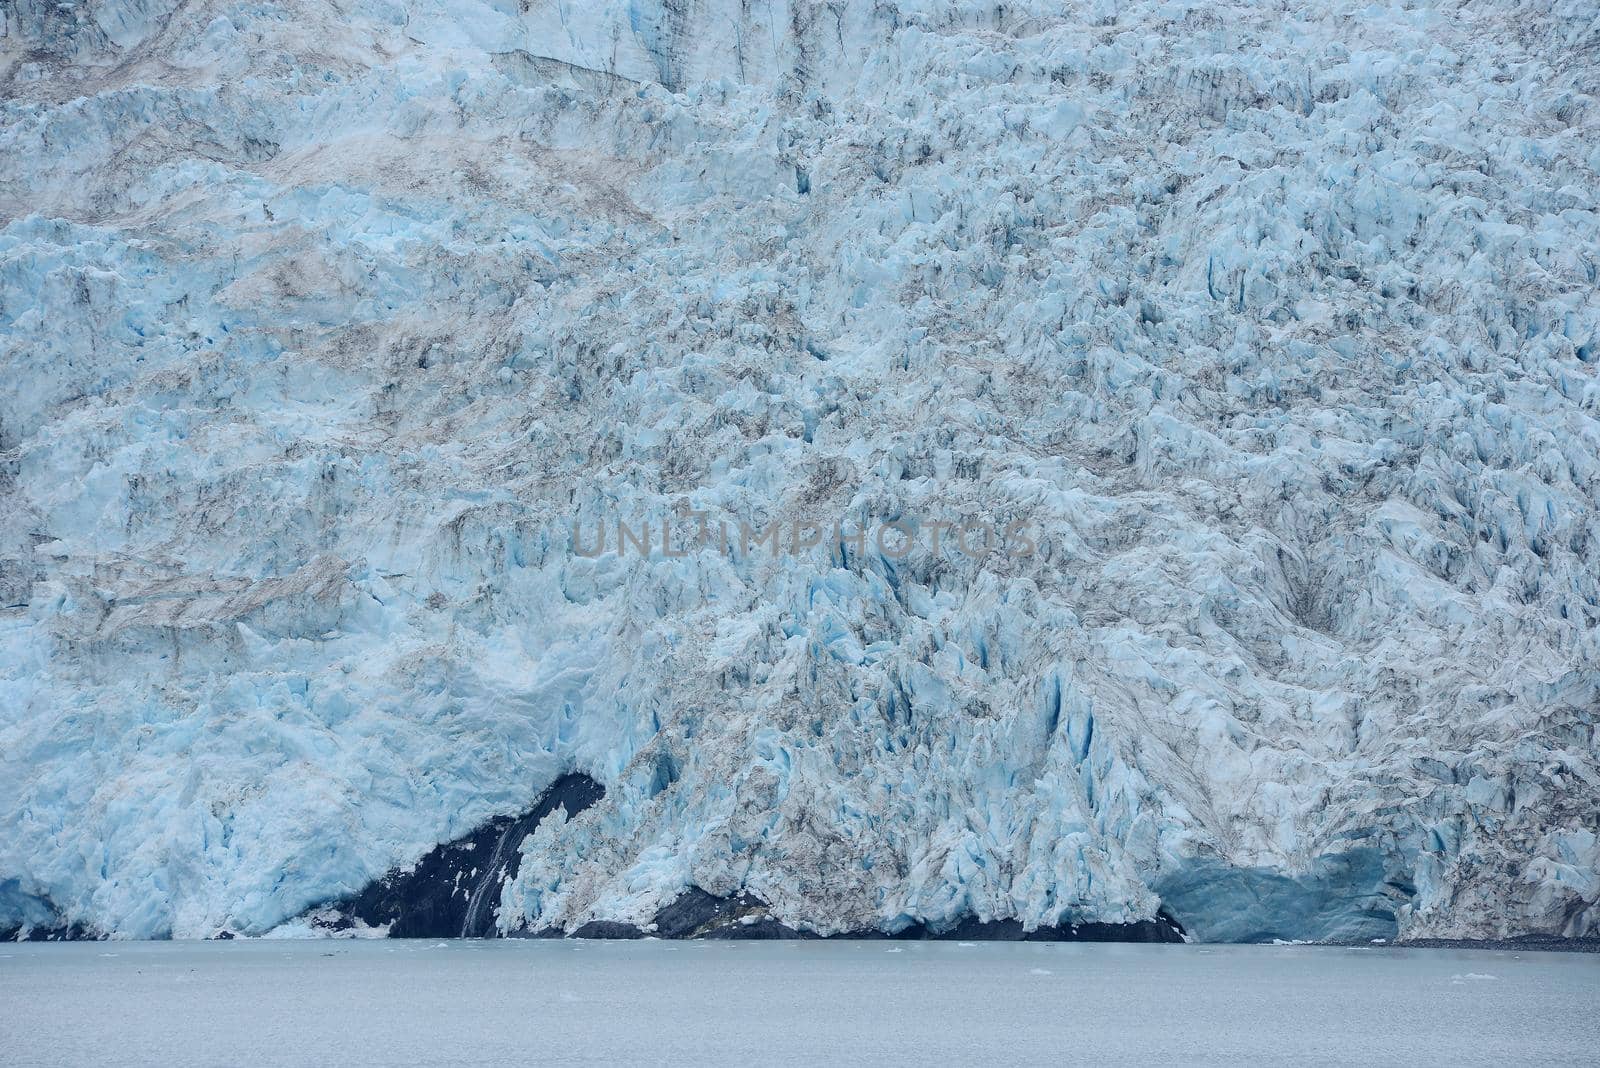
point(320, 325)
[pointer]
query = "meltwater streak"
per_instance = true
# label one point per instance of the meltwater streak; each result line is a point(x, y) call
point(491, 1002)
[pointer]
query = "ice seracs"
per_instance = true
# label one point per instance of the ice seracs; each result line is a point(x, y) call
point(320, 326)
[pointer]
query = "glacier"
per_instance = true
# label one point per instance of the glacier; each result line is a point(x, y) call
point(324, 325)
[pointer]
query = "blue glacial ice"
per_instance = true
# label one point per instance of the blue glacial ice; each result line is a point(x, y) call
point(321, 324)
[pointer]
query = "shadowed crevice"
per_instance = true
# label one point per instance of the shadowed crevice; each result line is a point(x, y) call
point(453, 891)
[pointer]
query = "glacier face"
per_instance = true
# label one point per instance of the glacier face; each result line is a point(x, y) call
point(321, 324)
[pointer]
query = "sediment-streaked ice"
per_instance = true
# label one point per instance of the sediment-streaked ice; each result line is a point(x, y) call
point(321, 324)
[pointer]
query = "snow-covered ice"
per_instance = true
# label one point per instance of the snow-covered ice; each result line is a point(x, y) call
point(320, 325)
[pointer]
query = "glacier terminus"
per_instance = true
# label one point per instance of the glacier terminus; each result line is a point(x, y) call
point(325, 325)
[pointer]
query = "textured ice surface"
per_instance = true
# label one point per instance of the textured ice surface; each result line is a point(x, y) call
point(320, 323)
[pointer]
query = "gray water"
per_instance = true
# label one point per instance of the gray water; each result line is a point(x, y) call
point(531, 1002)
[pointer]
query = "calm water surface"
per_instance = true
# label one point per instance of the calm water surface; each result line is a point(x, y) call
point(532, 1003)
